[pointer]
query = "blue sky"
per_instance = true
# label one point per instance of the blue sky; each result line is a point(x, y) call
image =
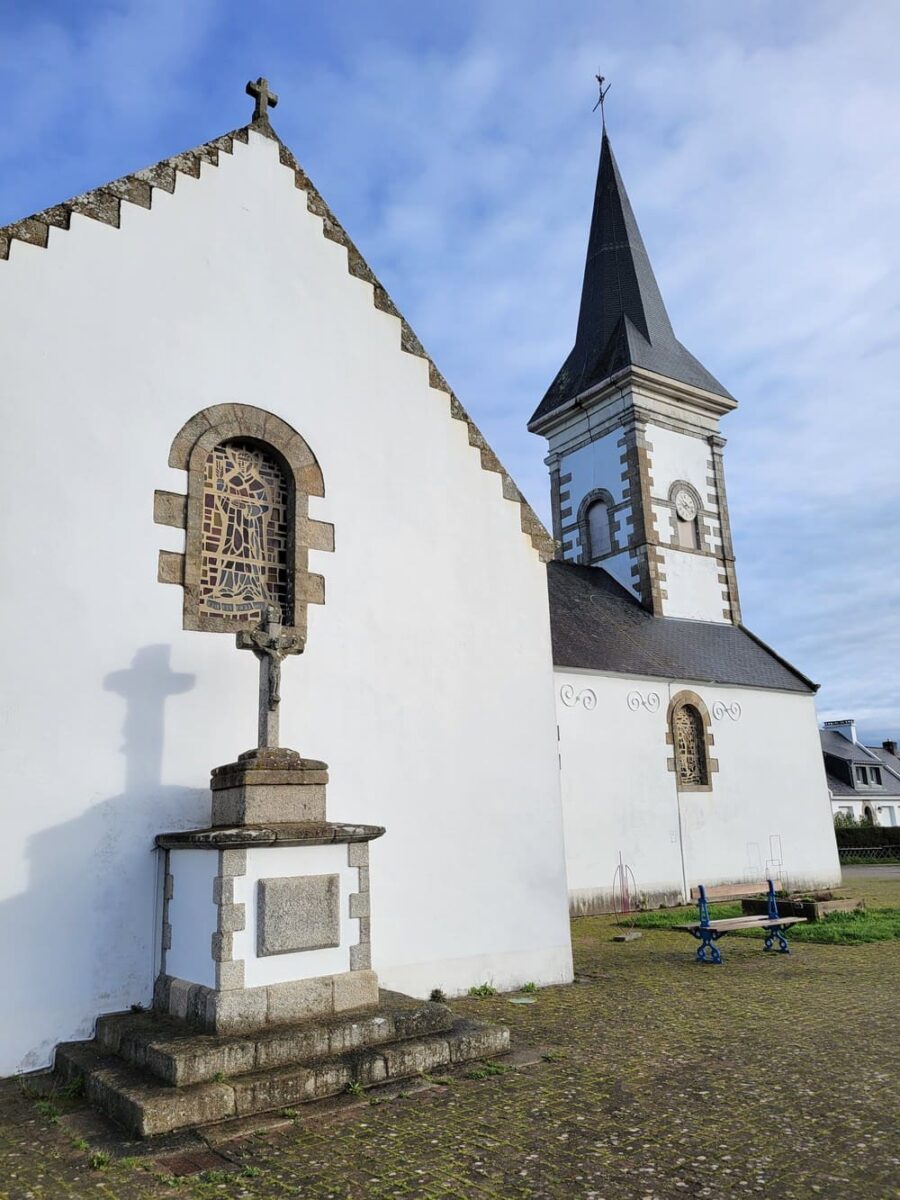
point(760, 144)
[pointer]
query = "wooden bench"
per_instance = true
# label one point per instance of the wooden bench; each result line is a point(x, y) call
point(708, 932)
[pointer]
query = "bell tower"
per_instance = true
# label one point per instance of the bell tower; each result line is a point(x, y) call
point(632, 421)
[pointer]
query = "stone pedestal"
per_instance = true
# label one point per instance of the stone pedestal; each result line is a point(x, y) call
point(266, 917)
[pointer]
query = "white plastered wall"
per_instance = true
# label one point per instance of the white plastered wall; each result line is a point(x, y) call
point(769, 800)
point(192, 915)
point(692, 585)
point(431, 703)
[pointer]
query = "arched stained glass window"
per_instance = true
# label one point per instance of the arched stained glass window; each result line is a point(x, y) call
point(244, 534)
point(690, 749)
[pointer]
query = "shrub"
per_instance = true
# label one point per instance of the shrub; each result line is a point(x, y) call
point(867, 835)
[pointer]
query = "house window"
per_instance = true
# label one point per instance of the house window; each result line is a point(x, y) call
point(690, 748)
point(868, 776)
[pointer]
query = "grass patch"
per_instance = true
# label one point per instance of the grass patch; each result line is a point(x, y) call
point(837, 929)
point(483, 989)
point(485, 1070)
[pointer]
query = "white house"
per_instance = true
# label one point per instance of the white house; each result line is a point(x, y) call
point(863, 781)
point(434, 676)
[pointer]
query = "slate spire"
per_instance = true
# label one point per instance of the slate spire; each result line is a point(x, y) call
point(623, 320)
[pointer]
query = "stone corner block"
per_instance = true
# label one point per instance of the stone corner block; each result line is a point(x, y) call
point(359, 904)
point(237, 1011)
point(355, 989)
point(301, 998)
point(361, 957)
point(230, 975)
point(358, 854)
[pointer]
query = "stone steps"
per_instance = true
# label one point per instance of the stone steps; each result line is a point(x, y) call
point(146, 1106)
point(178, 1055)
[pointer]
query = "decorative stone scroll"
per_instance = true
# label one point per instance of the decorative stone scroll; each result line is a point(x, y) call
point(636, 700)
point(587, 697)
point(246, 521)
point(720, 709)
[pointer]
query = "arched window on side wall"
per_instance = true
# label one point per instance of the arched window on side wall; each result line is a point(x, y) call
point(690, 737)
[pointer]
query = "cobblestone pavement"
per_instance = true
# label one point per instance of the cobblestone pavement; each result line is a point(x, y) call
point(771, 1076)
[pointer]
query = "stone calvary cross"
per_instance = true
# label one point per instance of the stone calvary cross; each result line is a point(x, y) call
point(271, 644)
point(263, 97)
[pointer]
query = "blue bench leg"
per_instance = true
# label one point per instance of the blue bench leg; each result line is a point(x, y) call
point(771, 935)
point(707, 939)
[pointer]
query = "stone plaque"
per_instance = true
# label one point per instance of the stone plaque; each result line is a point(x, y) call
point(298, 912)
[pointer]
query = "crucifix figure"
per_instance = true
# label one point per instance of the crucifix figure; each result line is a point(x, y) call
point(263, 97)
point(271, 644)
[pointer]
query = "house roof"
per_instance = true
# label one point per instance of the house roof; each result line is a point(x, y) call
point(622, 320)
point(105, 204)
point(853, 752)
point(836, 746)
point(598, 625)
point(891, 761)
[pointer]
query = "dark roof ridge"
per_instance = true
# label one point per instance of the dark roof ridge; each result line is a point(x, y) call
point(105, 202)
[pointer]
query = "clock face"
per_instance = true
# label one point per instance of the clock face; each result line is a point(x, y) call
point(685, 505)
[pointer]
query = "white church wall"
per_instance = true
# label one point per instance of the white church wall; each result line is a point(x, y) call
point(677, 457)
point(693, 588)
point(768, 801)
point(433, 707)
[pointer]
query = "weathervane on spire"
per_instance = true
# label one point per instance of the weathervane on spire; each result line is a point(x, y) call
point(601, 79)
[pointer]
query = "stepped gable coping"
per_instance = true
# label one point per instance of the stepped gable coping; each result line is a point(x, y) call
point(105, 203)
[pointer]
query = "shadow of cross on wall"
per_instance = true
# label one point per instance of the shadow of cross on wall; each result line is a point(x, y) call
point(145, 687)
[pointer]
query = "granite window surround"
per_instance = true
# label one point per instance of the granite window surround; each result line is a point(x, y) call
point(190, 452)
point(594, 497)
point(706, 739)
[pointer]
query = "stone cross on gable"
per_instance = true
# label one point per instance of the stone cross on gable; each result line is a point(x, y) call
point(263, 97)
point(271, 644)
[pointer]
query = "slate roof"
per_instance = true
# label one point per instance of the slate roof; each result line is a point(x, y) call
point(891, 761)
point(836, 746)
point(598, 625)
point(623, 320)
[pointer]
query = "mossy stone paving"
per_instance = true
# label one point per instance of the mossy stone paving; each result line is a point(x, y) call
point(771, 1076)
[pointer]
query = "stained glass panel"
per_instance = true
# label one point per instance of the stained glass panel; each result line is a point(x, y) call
point(690, 751)
point(244, 534)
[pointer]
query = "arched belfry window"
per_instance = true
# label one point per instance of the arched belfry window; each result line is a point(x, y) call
point(246, 519)
point(595, 524)
point(690, 737)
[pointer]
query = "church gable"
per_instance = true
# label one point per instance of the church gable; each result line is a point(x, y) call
point(105, 204)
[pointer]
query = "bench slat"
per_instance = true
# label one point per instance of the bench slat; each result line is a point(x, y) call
point(732, 923)
point(735, 891)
